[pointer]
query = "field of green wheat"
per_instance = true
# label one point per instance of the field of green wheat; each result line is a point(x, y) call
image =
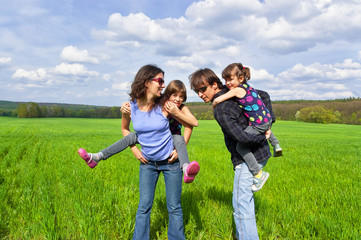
point(48, 192)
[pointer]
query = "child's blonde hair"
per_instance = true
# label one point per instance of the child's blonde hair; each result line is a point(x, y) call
point(240, 71)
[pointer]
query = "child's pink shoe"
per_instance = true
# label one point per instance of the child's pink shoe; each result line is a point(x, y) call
point(84, 155)
point(191, 172)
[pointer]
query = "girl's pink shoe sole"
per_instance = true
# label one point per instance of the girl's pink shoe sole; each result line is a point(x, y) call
point(191, 172)
point(84, 155)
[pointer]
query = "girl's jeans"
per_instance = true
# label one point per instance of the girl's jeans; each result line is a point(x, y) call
point(246, 153)
point(148, 178)
point(117, 147)
point(181, 147)
point(243, 203)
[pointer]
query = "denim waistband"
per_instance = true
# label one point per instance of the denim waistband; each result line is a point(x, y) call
point(161, 162)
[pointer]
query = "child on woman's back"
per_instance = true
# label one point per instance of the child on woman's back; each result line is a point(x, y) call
point(172, 100)
point(260, 118)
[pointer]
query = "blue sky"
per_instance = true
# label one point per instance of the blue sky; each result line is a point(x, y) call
point(87, 51)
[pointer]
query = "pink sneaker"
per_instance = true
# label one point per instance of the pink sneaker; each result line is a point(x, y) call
point(84, 155)
point(191, 172)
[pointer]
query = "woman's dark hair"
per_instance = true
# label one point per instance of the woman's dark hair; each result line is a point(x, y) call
point(174, 87)
point(240, 71)
point(144, 74)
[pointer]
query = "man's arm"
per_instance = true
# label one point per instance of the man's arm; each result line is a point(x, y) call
point(232, 120)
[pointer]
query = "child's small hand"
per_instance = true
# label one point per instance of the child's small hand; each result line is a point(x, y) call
point(215, 102)
point(268, 133)
point(171, 107)
point(125, 108)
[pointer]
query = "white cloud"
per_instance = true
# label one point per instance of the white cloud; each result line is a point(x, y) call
point(107, 77)
point(29, 10)
point(261, 74)
point(300, 71)
point(5, 60)
point(125, 86)
point(348, 63)
point(21, 87)
point(117, 90)
point(74, 69)
point(314, 81)
point(180, 65)
point(295, 49)
point(168, 37)
point(73, 54)
point(334, 21)
point(330, 86)
point(272, 26)
point(136, 25)
point(37, 75)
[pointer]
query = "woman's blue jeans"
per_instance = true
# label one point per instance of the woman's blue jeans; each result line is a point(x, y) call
point(148, 178)
point(243, 203)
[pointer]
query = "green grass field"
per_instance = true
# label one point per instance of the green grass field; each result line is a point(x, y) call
point(48, 192)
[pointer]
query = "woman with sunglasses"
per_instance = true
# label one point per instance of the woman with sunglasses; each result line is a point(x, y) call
point(151, 124)
point(172, 101)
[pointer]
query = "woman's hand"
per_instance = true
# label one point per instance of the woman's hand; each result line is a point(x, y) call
point(171, 107)
point(125, 108)
point(138, 154)
point(174, 156)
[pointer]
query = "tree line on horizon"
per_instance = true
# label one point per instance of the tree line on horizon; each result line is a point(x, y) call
point(343, 111)
point(34, 110)
point(346, 111)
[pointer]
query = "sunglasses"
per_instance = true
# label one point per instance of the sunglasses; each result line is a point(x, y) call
point(202, 89)
point(158, 80)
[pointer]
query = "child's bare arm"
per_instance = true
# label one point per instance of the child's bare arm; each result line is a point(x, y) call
point(187, 133)
point(188, 129)
point(125, 124)
point(184, 115)
point(235, 92)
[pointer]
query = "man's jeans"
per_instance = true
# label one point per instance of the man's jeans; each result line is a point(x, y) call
point(148, 178)
point(243, 203)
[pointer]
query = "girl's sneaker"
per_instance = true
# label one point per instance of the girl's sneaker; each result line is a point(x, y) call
point(277, 151)
point(88, 160)
point(191, 172)
point(259, 182)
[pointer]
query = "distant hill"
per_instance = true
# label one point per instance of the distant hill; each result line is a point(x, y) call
point(343, 110)
point(47, 110)
point(8, 105)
